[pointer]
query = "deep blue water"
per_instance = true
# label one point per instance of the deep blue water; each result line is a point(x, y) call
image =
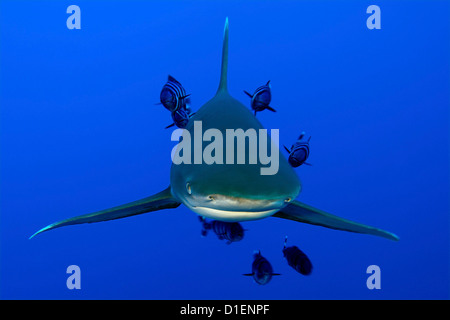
point(80, 132)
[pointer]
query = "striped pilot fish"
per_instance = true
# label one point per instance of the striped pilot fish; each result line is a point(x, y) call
point(229, 231)
point(262, 271)
point(261, 98)
point(299, 152)
point(173, 96)
point(181, 117)
point(297, 259)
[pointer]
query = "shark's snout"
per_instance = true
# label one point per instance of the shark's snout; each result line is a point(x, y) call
point(232, 208)
point(232, 203)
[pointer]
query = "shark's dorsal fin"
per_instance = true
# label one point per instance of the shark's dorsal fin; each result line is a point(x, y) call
point(224, 69)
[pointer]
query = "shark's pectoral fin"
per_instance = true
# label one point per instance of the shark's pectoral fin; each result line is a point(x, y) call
point(159, 201)
point(250, 95)
point(301, 212)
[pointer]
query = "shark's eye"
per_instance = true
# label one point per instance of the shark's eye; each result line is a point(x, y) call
point(188, 188)
point(288, 199)
point(211, 197)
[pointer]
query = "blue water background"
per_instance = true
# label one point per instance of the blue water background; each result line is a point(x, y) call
point(80, 132)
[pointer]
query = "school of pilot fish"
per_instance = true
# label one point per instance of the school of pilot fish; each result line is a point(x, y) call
point(174, 98)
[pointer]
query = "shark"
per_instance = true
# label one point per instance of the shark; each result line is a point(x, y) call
point(228, 192)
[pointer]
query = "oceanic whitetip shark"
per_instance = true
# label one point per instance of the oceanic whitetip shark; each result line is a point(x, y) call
point(229, 192)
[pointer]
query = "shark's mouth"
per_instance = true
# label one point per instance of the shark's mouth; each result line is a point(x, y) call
point(229, 208)
point(233, 216)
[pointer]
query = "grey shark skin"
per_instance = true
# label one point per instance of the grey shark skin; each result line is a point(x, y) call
point(229, 192)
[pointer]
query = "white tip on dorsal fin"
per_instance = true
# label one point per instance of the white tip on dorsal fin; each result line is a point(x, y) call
point(223, 72)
